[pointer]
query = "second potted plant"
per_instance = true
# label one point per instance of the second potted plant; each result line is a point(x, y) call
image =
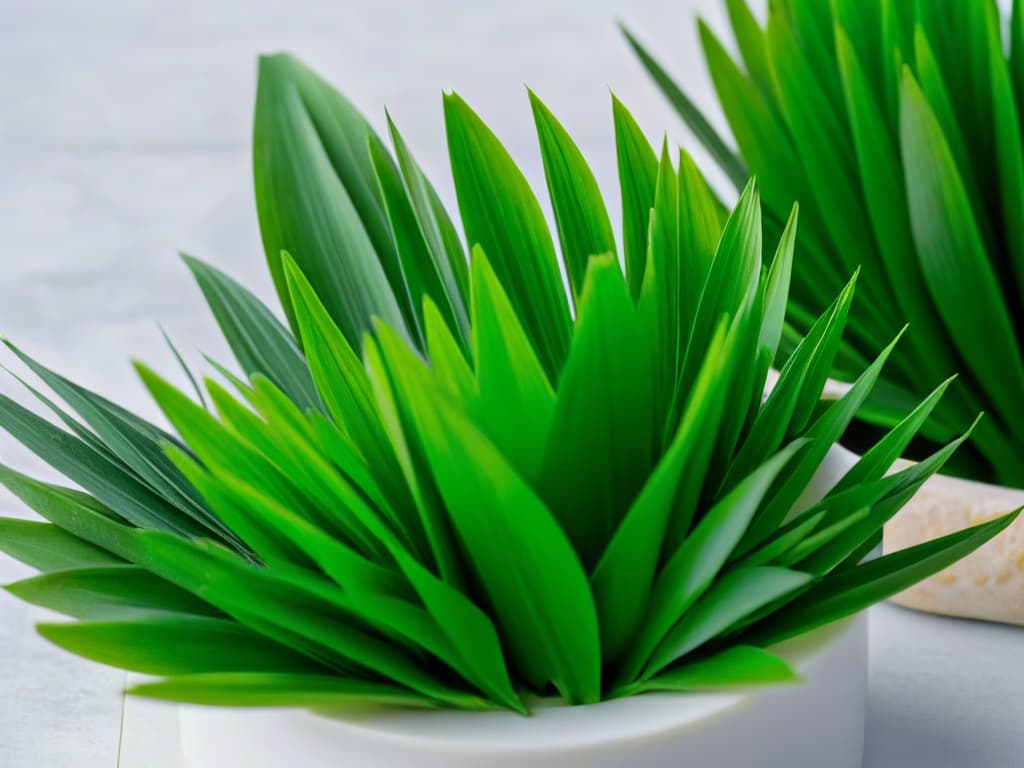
point(898, 127)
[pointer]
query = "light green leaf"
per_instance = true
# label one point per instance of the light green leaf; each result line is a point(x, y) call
point(624, 576)
point(515, 403)
point(420, 271)
point(525, 563)
point(638, 173)
point(341, 380)
point(446, 251)
point(741, 666)
point(296, 609)
point(823, 434)
point(388, 383)
point(692, 568)
point(776, 290)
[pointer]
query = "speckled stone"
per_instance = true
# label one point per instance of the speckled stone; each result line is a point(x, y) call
point(988, 584)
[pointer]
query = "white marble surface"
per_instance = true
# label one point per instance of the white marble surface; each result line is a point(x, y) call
point(124, 137)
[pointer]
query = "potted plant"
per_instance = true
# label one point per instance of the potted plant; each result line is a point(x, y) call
point(453, 493)
point(897, 126)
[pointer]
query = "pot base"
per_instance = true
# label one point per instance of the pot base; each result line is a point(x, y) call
point(818, 722)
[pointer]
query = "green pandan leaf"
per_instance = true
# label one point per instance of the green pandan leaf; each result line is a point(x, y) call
point(584, 229)
point(502, 216)
point(259, 341)
point(172, 645)
point(515, 403)
point(953, 258)
point(853, 589)
point(624, 576)
point(522, 557)
point(692, 568)
point(733, 597)
point(78, 513)
point(276, 689)
point(48, 547)
point(108, 593)
point(702, 129)
point(317, 198)
point(602, 433)
point(638, 173)
point(738, 667)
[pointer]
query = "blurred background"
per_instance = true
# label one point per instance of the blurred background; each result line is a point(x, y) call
point(125, 138)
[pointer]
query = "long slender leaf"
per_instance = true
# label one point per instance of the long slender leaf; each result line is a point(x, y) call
point(738, 667)
point(734, 596)
point(47, 547)
point(270, 689)
point(502, 216)
point(170, 645)
point(853, 589)
point(259, 341)
point(602, 430)
point(702, 129)
point(638, 172)
point(313, 206)
point(693, 566)
point(524, 561)
point(584, 229)
point(108, 593)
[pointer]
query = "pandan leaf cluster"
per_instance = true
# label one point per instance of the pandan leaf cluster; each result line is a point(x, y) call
point(449, 481)
point(897, 124)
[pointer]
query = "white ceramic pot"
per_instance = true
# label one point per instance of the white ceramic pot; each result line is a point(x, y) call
point(818, 722)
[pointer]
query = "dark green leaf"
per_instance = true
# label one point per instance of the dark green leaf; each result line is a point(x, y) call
point(260, 343)
point(702, 129)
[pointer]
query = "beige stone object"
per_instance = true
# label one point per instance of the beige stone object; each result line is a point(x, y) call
point(988, 584)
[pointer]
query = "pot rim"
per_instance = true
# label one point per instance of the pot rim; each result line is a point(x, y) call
point(553, 727)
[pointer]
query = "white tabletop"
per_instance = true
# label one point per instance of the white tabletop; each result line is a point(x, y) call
point(124, 137)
